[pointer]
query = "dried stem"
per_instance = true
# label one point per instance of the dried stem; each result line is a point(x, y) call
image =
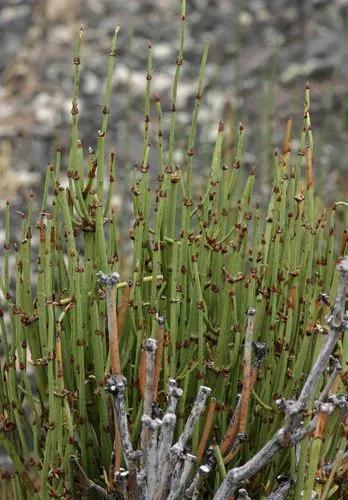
point(209, 420)
point(122, 309)
point(282, 492)
point(260, 351)
point(150, 461)
point(337, 324)
point(174, 393)
point(166, 436)
point(309, 161)
point(247, 372)
point(117, 387)
point(117, 447)
point(176, 453)
point(164, 446)
point(192, 420)
point(150, 349)
point(174, 464)
point(110, 281)
point(232, 430)
point(192, 491)
point(179, 485)
point(325, 409)
point(287, 137)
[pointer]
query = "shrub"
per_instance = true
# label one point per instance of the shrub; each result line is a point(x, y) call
point(227, 307)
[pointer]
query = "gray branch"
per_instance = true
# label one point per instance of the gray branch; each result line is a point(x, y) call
point(109, 280)
point(282, 492)
point(89, 487)
point(164, 446)
point(151, 453)
point(174, 393)
point(192, 491)
point(189, 463)
point(197, 408)
point(243, 494)
point(143, 493)
point(150, 348)
point(160, 469)
point(121, 481)
point(292, 432)
point(117, 387)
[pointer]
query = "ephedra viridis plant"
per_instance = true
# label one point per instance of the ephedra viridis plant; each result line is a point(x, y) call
point(209, 364)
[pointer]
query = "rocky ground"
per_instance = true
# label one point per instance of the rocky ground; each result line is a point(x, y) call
point(262, 52)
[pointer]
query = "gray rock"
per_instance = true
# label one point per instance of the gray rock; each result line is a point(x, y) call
point(313, 68)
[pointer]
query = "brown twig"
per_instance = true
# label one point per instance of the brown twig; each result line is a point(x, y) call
point(287, 137)
point(260, 351)
point(249, 378)
point(91, 173)
point(122, 309)
point(309, 166)
point(208, 424)
point(159, 355)
point(117, 446)
point(110, 281)
point(247, 371)
point(325, 409)
point(232, 430)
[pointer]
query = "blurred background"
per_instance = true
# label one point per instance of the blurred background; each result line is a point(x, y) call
point(261, 55)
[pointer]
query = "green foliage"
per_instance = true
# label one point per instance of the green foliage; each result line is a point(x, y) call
point(199, 263)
